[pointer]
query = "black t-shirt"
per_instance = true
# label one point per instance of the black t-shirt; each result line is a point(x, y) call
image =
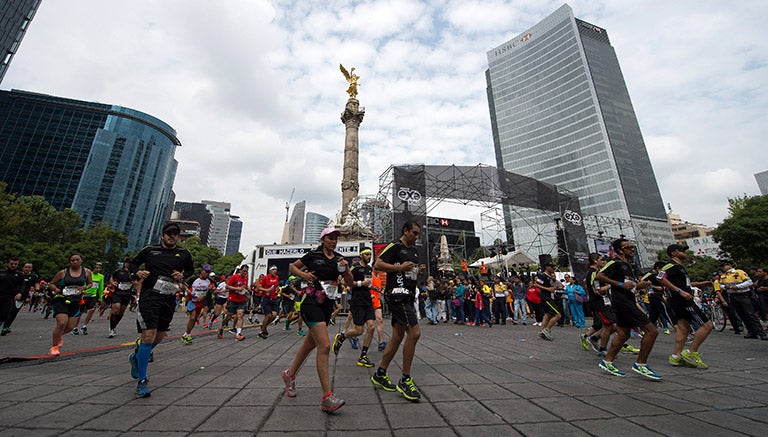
point(621, 271)
point(324, 268)
point(30, 281)
point(361, 295)
point(397, 253)
point(544, 280)
point(11, 282)
point(592, 284)
point(160, 261)
point(678, 276)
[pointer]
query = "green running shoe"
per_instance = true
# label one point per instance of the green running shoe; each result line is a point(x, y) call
point(610, 368)
point(693, 359)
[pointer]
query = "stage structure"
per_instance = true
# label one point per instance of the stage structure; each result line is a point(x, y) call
point(416, 189)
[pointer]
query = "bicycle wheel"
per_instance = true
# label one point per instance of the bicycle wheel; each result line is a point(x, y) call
point(717, 315)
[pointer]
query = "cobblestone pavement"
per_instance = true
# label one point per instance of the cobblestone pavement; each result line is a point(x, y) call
point(475, 381)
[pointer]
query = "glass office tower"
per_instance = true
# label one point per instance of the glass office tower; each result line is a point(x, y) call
point(15, 16)
point(561, 113)
point(106, 162)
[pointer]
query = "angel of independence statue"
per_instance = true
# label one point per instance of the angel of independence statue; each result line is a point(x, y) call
point(352, 79)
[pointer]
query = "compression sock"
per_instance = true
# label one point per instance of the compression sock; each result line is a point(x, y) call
point(142, 356)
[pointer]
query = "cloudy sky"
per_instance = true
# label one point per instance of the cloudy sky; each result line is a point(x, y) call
point(254, 91)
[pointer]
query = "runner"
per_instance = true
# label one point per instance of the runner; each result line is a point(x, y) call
point(552, 314)
point(622, 275)
point(269, 286)
point(318, 269)
point(400, 260)
point(165, 266)
point(11, 291)
point(199, 289)
point(68, 286)
point(91, 297)
point(219, 305)
point(288, 295)
point(361, 308)
point(377, 310)
point(674, 276)
point(122, 296)
point(237, 286)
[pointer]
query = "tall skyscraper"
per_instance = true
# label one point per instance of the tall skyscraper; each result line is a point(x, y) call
point(15, 16)
point(296, 223)
point(217, 238)
point(106, 162)
point(313, 226)
point(195, 212)
point(561, 113)
point(762, 181)
point(233, 236)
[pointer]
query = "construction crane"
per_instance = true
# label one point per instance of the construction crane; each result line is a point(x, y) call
point(288, 204)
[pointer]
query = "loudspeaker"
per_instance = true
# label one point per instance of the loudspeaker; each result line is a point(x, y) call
point(545, 258)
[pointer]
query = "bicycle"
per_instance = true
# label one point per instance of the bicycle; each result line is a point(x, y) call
point(714, 311)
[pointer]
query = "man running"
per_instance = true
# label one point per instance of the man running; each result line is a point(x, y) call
point(91, 297)
point(237, 286)
point(551, 312)
point(400, 260)
point(122, 296)
point(361, 308)
point(675, 278)
point(11, 291)
point(622, 275)
point(269, 285)
point(199, 289)
point(165, 266)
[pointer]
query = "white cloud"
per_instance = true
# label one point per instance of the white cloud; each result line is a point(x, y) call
point(254, 91)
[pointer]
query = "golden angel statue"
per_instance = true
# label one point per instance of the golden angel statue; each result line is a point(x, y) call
point(352, 79)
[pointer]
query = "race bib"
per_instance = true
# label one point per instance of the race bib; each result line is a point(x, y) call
point(331, 290)
point(164, 286)
point(124, 286)
point(70, 291)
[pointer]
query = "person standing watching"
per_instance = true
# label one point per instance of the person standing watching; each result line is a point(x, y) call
point(165, 266)
point(738, 286)
point(400, 260)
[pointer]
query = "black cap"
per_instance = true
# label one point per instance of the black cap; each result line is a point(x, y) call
point(673, 247)
point(171, 226)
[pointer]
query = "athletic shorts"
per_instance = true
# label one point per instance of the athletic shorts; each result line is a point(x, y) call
point(123, 299)
point(602, 313)
point(287, 305)
point(269, 306)
point(687, 310)
point(628, 315)
point(220, 300)
point(63, 305)
point(403, 314)
point(548, 305)
point(361, 314)
point(233, 306)
point(192, 306)
point(89, 302)
point(312, 313)
point(155, 311)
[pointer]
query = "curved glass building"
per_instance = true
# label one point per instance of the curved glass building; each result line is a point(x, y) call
point(106, 162)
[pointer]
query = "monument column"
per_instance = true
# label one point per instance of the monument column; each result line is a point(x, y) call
point(350, 185)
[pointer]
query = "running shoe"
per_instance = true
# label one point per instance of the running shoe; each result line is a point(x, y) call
point(290, 384)
point(338, 340)
point(646, 371)
point(666, 331)
point(584, 341)
point(186, 339)
point(594, 344)
point(610, 368)
point(354, 343)
point(84, 330)
point(240, 337)
point(276, 321)
point(363, 361)
point(263, 334)
point(142, 389)
point(134, 365)
point(5, 331)
point(383, 381)
point(221, 333)
point(693, 359)
point(547, 334)
point(332, 322)
point(54, 350)
point(205, 325)
point(112, 333)
point(601, 353)
point(331, 403)
point(286, 328)
point(233, 330)
point(75, 331)
point(382, 346)
point(677, 362)
point(630, 349)
point(301, 333)
point(408, 389)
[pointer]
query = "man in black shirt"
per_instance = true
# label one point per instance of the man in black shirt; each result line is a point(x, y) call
point(622, 275)
point(551, 309)
point(361, 308)
point(122, 296)
point(400, 261)
point(11, 291)
point(165, 266)
point(675, 278)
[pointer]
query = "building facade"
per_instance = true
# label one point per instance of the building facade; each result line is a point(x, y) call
point(233, 236)
point(762, 182)
point(15, 17)
point(106, 162)
point(313, 226)
point(561, 113)
point(296, 223)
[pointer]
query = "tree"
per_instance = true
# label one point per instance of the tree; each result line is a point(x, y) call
point(201, 254)
point(742, 235)
point(227, 264)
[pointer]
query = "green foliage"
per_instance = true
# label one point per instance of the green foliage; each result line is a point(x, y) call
point(743, 233)
point(227, 264)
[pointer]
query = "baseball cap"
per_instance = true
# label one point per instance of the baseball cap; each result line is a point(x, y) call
point(171, 226)
point(673, 247)
point(328, 231)
point(212, 275)
point(207, 267)
point(291, 278)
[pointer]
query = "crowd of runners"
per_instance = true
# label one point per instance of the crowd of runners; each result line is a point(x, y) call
point(626, 305)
